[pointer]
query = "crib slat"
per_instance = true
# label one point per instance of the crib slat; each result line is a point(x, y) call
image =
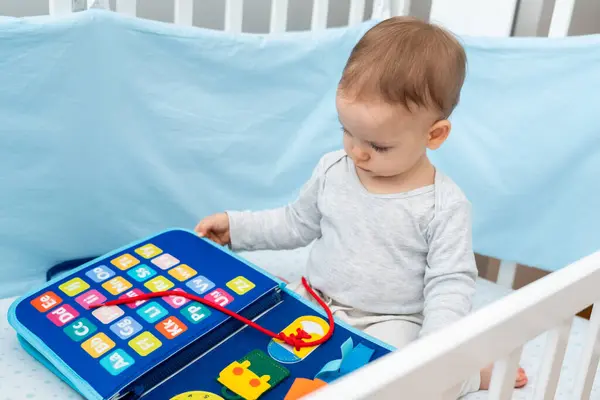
point(60, 7)
point(278, 21)
point(357, 12)
point(504, 375)
point(381, 9)
point(547, 382)
point(506, 274)
point(390, 8)
point(98, 4)
point(400, 7)
point(184, 12)
point(127, 7)
point(234, 12)
point(590, 355)
point(78, 5)
point(319, 15)
point(483, 18)
point(561, 18)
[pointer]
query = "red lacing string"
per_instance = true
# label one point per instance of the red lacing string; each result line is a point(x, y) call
point(295, 340)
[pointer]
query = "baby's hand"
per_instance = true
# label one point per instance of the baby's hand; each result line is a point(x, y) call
point(215, 228)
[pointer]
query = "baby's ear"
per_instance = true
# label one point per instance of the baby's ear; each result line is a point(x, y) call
point(438, 133)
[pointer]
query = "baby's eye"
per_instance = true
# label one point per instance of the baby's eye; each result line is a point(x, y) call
point(379, 149)
point(345, 131)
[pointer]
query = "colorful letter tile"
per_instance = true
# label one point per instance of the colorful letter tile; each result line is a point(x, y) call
point(133, 293)
point(182, 272)
point(171, 327)
point(159, 284)
point(106, 315)
point(220, 297)
point(90, 298)
point(125, 262)
point(74, 287)
point(145, 343)
point(46, 301)
point(148, 251)
point(240, 285)
point(152, 312)
point(80, 329)
point(126, 327)
point(117, 362)
point(176, 301)
point(117, 285)
point(141, 273)
point(200, 284)
point(195, 312)
point(62, 315)
point(165, 261)
point(100, 273)
point(98, 345)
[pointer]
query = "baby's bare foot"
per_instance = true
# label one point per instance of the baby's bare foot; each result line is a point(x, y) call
point(486, 377)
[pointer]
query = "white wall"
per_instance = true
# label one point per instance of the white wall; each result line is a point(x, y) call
point(209, 13)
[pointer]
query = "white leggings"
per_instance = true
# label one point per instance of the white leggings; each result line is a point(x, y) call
point(395, 330)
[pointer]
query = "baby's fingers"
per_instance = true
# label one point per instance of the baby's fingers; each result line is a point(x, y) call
point(202, 229)
point(214, 238)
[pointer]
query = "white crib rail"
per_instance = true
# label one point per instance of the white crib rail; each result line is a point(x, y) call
point(430, 367)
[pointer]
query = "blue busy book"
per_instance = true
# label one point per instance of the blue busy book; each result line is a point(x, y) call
point(211, 342)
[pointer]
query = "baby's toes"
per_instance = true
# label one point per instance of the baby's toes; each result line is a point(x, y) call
point(521, 378)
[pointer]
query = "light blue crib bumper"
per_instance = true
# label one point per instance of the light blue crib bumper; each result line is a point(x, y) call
point(113, 128)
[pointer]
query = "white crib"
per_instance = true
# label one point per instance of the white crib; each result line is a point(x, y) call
point(431, 368)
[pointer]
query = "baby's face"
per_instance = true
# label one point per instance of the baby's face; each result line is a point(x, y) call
point(383, 140)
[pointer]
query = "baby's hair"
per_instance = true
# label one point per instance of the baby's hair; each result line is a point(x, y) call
point(403, 60)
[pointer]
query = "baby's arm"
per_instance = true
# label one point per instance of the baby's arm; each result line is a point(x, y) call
point(450, 277)
point(295, 225)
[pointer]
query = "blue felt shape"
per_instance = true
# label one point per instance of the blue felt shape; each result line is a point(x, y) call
point(358, 357)
point(353, 357)
point(330, 370)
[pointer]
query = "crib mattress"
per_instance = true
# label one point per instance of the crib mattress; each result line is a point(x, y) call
point(21, 377)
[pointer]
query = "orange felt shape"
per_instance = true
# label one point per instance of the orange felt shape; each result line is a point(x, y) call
point(302, 387)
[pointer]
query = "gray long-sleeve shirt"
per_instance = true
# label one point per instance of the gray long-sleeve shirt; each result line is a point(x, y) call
point(407, 253)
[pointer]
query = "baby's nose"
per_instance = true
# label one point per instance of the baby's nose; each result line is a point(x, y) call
point(359, 154)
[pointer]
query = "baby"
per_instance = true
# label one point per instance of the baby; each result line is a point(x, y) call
point(391, 235)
